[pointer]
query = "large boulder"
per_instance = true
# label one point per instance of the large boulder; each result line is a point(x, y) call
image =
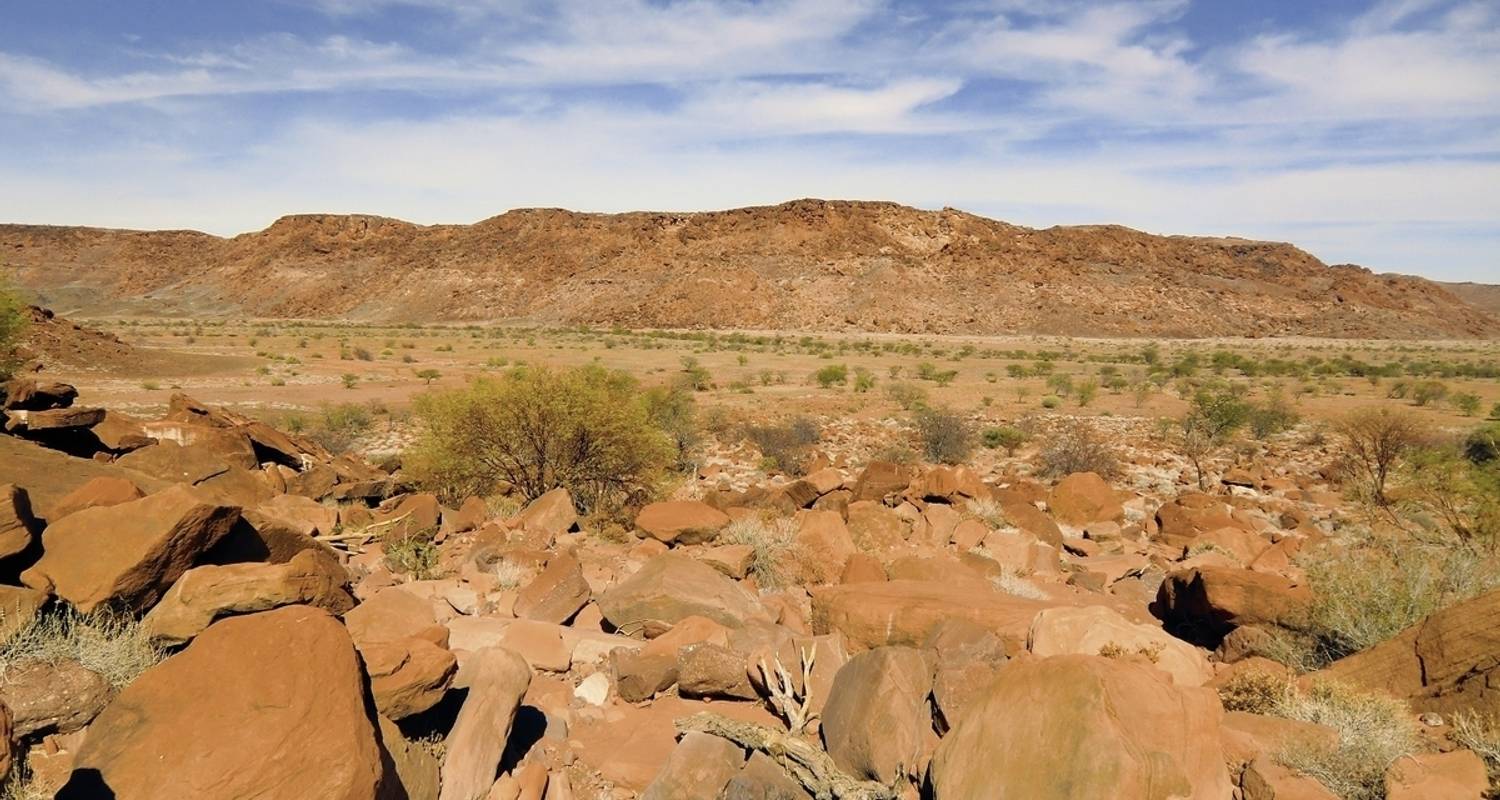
point(1204, 604)
point(1180, 522)
point(681, 521)
point(268, 705)
point(1096, 630)
point(497, 680)
point(877, 712)
point(1448, 662)
point(1082, 498)
point(904, 612)
point(552, 513)
point(204, 594)
point(129, 554)
point(672, 587)
point(881, 479)
point(29, 394)
point(407, 676)
point(1084, 728)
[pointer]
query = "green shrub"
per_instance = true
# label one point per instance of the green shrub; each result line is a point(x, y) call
point(864, 380)
point(585, 429)
point(1272, 416)
point(1003, 436)
point(673, 410)
point(695, 376)
point(1467, 403)
point(12, 329)
point(906, 394)
point(339, 426)
point(1086, 391)
point(947, 438)
point(832, 375)
point(788, 445)
point(1366, 591)
point(413, 555)
point(1051, 401)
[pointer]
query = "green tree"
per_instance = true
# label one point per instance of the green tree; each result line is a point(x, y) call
point(12, 328)
point(1467, 403)
point(586, 429)
point(1218, 411)
point(428, 375)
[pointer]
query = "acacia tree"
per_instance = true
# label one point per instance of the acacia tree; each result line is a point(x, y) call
point(1217, 413)
point(1376, 439)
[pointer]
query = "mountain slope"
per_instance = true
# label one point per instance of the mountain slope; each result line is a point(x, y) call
point(803, 265)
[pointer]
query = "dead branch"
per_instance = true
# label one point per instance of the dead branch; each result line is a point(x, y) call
point(808, 764)
point(783, 691)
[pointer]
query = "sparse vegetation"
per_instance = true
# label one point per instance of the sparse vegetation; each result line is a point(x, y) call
point(786, 446)
point(12, 328)
point(1003, 437)
point(115, 647)
point(1078, 446)
point(1376, 439)
point(413, 555)
point(1374, 730)
point(947, 437)
point(770, 539)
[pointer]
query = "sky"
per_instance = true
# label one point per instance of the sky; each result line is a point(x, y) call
point(1366, 132)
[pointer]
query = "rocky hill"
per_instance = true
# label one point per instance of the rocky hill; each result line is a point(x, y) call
point(802, 265)
point(1485, 297)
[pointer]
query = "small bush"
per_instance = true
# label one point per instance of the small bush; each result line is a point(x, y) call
point(947, 438)
point(1467, 403)
point(362, 354)
point(1428, 393)
point(1480, 732)
point(1004, 436)
point(1366, 592)
point(117, 648)
point(341, 425)
point(786, 445)
point(1374, 730)
point(832, 375)
point(1256, 691)
point(987, 511)
point(1078, 447)
point(906, 394)
point(1272, 417)
point(1376, 439)
point(864, 380)
point(1051, 401)
point(413, 555)
point(673, 410)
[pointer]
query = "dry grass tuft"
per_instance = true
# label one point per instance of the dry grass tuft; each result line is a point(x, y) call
point(1374, 730)
point(115, 647)
point(987, 511)
point(1481, 733)
point(770, 539)
point(1013, 584)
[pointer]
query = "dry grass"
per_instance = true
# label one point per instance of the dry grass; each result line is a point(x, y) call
point(1374, 730)
point(1481, 733)
point(117, 648)
point(1017, 586)
point(511, 575)
point(770, 539)
point(413, 555)
point(987, 511)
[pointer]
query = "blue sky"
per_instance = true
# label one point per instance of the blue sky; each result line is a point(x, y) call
point(1367, 132)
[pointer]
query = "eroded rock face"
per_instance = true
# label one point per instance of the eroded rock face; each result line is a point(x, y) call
point(18, 526)
point(672, 587)
point(267, 705)
point(1081, 728)
point(1448, 662)
point(700, 766)
point(556, 594)
point(877, 712)
point(129, 554)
